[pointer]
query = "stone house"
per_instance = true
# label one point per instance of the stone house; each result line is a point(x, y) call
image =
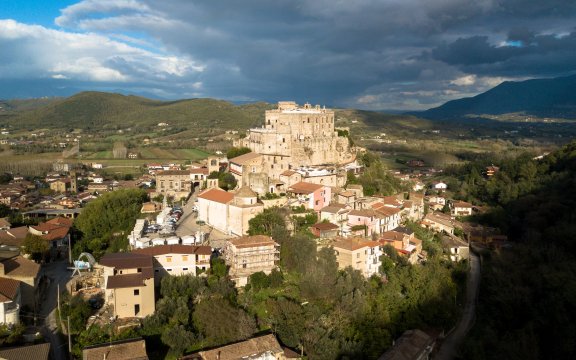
point(325, 230)
point(241, 167)
point(174, 183)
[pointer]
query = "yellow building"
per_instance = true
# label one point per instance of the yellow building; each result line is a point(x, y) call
point(129, 284)
point(60, 185)
point(360, 254)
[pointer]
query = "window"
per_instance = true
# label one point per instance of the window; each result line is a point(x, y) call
point(185, 269)
point(184, 257)
point(169, 269)
point(136, 309)
point(358, 255)
point(168, 258)
point(136, 291)
point(317, 202)
point(139, 270)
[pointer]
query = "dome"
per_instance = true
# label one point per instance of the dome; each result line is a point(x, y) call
point(245, 192)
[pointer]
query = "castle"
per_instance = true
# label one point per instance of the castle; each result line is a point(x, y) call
point(292, 137)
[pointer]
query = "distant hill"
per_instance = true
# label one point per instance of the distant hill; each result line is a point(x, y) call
point(98, 110)
point(555, 98)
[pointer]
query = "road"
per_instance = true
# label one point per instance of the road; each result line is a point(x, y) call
point(58, 274)
point(449, 348)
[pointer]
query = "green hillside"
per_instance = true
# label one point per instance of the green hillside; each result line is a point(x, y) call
point(96, 110)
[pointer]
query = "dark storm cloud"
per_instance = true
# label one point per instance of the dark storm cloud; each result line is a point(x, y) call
point(365, 53)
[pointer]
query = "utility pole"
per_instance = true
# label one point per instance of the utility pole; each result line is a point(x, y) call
point(69, 339)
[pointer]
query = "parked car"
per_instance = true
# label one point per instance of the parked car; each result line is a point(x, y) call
point(200, 222)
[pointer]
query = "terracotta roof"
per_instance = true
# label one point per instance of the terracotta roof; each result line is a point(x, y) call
point(134, 349)
point(252, 241)
point(19, 266)
point(14, 236)
point(413, 344)
point(125, 281)
point(323, 226)
point(30, 352)
point(288, 173)
point(243, 349)
point(332, 208)
point(217, 195)
point(203, 171)
point(388, 211)
point(303, 187)
point(8, 289)
point(362, 213)
point(242, 159)
point(462, 204)
point(354, 243)
point(392, 236)
point(174, 249)
point(56, 234)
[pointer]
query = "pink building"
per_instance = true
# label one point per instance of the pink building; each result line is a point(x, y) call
point(367, 218)
point(312, 196)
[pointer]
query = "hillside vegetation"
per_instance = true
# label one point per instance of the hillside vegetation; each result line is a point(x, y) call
point(553, 98)
point(96, 110)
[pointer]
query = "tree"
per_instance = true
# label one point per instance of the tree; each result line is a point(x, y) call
point(221, 323)
point(234, 152)
point(105, 222)
point(178, 339)
point(266, 221)
point(35, 246)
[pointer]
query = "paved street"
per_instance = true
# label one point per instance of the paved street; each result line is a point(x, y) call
point(451, 344)
point(57, 273)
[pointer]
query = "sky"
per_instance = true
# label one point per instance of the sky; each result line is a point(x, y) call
point(366, 54)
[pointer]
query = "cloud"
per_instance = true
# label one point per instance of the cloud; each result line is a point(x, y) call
point(367, 53)
point(38, 53)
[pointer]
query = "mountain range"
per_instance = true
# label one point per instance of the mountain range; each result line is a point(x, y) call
point(552, 98)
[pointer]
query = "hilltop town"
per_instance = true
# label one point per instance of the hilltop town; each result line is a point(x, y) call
point(293, 209)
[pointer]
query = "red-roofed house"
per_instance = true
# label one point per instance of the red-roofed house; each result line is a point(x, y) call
point(312, 196)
